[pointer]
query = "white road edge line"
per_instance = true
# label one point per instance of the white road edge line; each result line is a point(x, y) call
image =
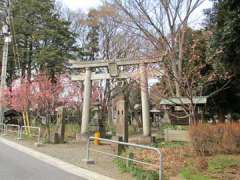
point(67, 167)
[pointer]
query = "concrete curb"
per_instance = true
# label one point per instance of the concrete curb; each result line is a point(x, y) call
point(67, 167)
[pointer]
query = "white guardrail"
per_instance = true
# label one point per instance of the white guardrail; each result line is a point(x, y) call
point(160, 167)
point(12, 128)
point(24, 130)
point(5, 129)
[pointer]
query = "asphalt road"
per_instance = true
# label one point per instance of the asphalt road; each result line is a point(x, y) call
point(15, 165)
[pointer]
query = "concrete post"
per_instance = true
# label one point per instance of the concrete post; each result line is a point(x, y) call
point(145, 101)
point(3, 83)
point(86, 102)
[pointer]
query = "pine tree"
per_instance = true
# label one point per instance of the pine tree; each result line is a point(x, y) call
point(226, 33)
point(42, 38)
point(224, 22)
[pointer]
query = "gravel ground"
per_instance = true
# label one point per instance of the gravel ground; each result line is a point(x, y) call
point(74, 153)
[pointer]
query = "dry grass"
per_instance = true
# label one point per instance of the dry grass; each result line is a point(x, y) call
point(215, 139)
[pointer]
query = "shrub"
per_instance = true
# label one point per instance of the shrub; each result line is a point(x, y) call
point(218, 138)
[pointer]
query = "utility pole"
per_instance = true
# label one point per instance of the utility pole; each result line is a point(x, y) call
point(7, 39)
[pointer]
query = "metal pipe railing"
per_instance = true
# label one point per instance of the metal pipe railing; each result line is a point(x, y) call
point(160, 167)
point(31, 127)
point(14, 131)
point(3, 128)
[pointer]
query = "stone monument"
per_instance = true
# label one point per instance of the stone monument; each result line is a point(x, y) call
point(59, 135)
point(121, 118)
point(96, 122)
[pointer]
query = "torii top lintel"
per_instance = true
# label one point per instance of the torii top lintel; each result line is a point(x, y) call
point(105, 63)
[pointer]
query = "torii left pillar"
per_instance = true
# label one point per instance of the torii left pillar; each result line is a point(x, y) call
point(145, 101)
point(86, 102)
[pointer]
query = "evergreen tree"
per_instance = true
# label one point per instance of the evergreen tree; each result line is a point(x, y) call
point(42, 38)
point(224, 22)
point(226, 19)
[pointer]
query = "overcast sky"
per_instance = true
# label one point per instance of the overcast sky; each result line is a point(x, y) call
point(81, 4)
point(85, 5)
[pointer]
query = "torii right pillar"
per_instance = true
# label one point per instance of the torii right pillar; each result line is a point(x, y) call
point(145, 101)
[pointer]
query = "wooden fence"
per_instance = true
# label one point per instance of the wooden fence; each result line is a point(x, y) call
point(176, 135)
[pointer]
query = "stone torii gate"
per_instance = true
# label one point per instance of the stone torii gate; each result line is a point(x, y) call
point(113, 72)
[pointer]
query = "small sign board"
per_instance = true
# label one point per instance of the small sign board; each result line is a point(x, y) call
point(44, 120)
point(113, 69)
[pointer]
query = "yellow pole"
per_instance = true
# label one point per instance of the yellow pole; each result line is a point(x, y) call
point(97, 135)
point(24, 120)
point(28, 123)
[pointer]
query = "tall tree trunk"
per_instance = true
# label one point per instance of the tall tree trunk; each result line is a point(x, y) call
point(29, 74)
point(176, 79)
point(175, 62)
point(221, 115)
point(23, 71)
point(29, 61)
